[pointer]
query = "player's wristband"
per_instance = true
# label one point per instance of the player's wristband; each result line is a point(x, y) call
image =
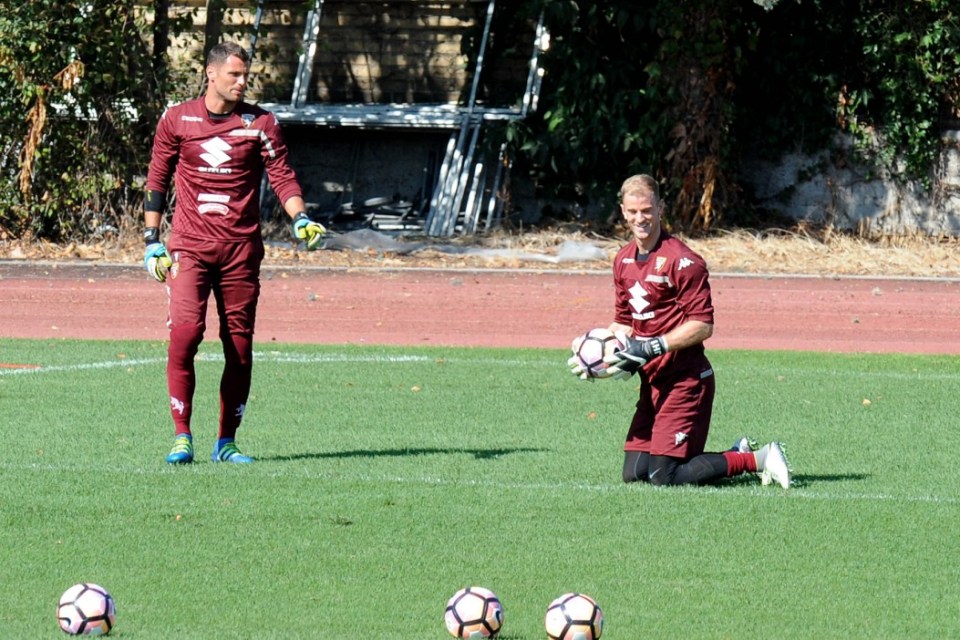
point(151, 235)
point(301, 216)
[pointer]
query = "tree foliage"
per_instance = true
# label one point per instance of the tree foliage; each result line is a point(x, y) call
point(84, 77)
point(681, 89)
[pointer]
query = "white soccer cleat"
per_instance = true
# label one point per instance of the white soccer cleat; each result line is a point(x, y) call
point(775, 465)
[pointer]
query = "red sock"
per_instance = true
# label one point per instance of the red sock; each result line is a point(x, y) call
point(738, 463)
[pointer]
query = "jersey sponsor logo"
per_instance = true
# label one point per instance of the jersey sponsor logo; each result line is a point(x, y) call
point(216, 154)
point(684, 263)
point(191, 119)
point(213, 203)
point(213, 207)
point(658, 279)
point(213, 197)
point(638, 300)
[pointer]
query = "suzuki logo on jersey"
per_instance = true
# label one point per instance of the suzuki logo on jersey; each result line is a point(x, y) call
point(638, 300)
point(216, 154)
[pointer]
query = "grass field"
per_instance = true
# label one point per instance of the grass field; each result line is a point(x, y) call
point(387, 478)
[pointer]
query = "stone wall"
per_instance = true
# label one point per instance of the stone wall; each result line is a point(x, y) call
point(831, 188)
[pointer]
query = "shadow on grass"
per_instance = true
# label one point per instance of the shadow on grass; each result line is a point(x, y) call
point(807, 479)
point(478, 454)
point(804, 480)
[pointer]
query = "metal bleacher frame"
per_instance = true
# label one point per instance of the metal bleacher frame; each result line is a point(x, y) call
point(466, 196)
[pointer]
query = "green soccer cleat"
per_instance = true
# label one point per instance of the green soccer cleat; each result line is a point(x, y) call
point(228, 452)
point(182, 452)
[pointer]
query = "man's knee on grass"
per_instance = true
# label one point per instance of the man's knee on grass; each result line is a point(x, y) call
point(636, 466)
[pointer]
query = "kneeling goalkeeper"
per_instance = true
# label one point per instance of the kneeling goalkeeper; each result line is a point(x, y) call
point(664, 308)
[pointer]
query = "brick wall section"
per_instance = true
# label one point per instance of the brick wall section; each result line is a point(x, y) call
point(405, 51)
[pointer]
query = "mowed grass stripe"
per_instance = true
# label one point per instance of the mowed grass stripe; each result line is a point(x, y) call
point(725, 492)
point(389, 477)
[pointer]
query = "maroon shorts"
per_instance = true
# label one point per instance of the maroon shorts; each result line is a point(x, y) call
point(673, 418)
point(231, 270)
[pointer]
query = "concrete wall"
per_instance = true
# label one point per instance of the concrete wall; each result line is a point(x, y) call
point(831, 188)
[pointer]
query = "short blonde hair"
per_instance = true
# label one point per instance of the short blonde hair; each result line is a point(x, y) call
point(640, 184)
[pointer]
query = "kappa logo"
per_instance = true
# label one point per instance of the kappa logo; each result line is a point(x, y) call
point(680, 438)
point(639, 302)
point(684, 263)
point(216, 152)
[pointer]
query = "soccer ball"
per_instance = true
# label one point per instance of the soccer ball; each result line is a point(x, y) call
point(592, 347)
point(86, 609)
point(574, 616)
point(473, 612)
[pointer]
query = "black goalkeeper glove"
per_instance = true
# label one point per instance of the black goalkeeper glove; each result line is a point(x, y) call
point(637, 352)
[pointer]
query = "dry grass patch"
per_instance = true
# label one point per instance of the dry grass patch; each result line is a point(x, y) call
point(742, 251)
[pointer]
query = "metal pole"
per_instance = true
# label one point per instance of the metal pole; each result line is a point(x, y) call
point(495, 190)
point(311, 30)
point(447, 210)
point(461, 183)
point(535, 76)
point(434, 213)
point(258, 16)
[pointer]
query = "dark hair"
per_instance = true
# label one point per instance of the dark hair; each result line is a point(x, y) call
point(223, 50)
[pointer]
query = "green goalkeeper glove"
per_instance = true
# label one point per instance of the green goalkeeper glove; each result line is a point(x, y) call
point(306, 229)
point(155, 256)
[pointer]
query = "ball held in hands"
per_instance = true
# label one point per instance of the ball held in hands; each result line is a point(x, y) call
point(589, 351)
point(636, 353)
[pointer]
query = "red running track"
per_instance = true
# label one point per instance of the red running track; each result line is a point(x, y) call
point(494, 308)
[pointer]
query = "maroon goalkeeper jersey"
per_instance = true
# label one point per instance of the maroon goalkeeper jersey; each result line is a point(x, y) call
point(658, 292)
point(217, 164)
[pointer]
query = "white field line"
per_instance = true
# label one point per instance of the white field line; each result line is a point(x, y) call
point(274, 357)
point(339, 477)
point(341, 358)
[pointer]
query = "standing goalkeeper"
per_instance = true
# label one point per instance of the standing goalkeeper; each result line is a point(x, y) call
point(215, 149)
point(664, 310)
